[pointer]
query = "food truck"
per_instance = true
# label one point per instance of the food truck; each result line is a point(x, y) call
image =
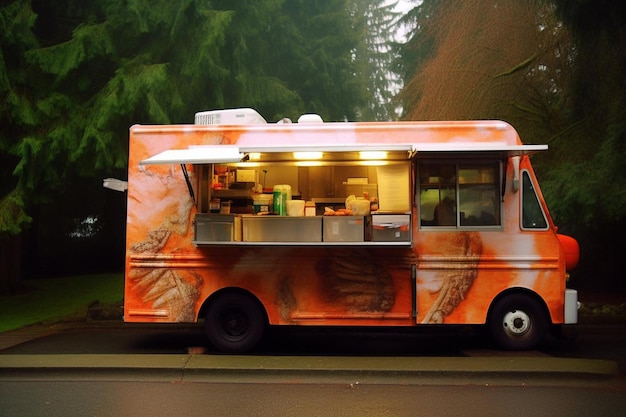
point(244, 224)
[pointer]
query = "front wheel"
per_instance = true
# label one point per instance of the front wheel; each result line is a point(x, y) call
point(518, 322)
point(234, 323)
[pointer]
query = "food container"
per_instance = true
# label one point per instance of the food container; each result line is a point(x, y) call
point(215, 228)
point(214, 205)
point(391, 228)
point(295, 208)
point(309, 208)
point(360, 207)
point(282, 194)
point(282, 229)
point(262, 203)
point(344, 228)
point(225, 207)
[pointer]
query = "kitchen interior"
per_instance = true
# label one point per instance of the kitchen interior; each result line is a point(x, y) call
point(315, 198)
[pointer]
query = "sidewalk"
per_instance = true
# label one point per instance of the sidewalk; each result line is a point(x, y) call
point(476, 367)
point(307, 369)
point(15, 337)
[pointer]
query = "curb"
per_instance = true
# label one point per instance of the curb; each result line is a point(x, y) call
point(305, 369)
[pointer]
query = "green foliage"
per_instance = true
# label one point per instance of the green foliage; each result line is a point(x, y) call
point(13, 216)
point(598, 114)
point(486, 60)
point(555, 70)
point(55, 299)
point(88, 42)
point(374, 53)
point(286, 58)
point(74, 76)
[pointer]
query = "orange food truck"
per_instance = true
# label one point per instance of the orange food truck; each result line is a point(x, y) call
point(245, 224)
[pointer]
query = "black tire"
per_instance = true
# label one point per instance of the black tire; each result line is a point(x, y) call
point(518, 322)
point(234, 323)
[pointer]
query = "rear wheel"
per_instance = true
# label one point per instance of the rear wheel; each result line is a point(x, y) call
point(518, 322)
point(234, 323)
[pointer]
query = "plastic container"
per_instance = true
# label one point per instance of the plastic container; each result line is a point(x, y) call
point(309, 208)
point(214, 205)
point(282, 194)
point(295, 208)
point(225, 207)
point(360, 207)
point(262, 203)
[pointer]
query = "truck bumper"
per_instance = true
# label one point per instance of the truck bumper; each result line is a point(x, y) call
point(571, 306)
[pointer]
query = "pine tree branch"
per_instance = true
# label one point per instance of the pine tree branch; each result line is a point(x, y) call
point(518, 67)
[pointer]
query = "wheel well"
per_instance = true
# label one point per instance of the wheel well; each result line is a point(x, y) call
point(519, 290)
point(230, 290)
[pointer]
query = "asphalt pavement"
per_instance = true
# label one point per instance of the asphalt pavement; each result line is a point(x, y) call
point(196, 365)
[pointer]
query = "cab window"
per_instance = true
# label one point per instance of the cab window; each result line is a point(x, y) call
point(533, 216)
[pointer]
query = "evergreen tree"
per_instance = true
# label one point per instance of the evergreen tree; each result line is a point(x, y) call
point(588, 180)
point(75, 75)
point(418, 48)
point(555, 73)
point(592, 144)
point(18, 114)
point(375, 23)
point(292, 57)
point(489, 59)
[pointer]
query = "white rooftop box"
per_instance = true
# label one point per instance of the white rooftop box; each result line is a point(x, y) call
point(244, 116)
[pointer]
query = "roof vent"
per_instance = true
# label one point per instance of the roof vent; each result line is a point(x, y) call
point(229, 117)
point(310, 118)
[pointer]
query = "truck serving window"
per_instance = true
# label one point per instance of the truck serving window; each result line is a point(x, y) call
point(459, 194)
point(532, 213)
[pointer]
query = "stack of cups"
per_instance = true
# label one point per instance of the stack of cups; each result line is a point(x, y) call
point(282, 194)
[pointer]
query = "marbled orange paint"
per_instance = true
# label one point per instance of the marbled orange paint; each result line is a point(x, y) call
point(458, 274)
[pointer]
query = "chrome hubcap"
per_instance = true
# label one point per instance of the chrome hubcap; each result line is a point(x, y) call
point(516, 323)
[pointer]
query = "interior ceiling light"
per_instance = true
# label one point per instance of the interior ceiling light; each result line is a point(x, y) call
point(308, 155)
point(373, 155)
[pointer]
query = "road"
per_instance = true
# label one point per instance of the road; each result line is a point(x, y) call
point(296, 395)
point(603, 341)
point(166, 399)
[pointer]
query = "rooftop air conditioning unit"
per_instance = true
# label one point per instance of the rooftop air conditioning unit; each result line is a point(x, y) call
point(229, 117)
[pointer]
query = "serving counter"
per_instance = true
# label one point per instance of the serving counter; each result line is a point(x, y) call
point(234, 229)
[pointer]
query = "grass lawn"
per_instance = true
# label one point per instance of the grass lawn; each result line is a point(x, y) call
point(54, 299)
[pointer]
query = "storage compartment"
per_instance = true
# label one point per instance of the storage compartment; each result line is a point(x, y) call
point(391, 227)
point(344, 228)
point(282, 229)
point(216, 228)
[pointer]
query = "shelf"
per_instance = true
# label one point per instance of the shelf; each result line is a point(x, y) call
point(367, 243)
point(231, 194)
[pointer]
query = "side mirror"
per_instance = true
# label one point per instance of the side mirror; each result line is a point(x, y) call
point(115, 184)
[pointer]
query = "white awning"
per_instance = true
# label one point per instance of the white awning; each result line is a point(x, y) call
point(459, 147)
point(213, 154)
point(354, 147)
